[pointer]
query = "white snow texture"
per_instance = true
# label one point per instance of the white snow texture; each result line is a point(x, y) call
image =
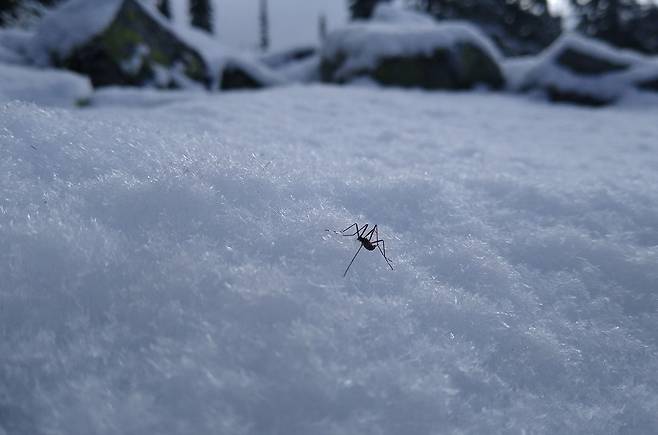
point(167, 271)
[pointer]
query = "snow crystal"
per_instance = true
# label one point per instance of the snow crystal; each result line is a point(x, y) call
point(168, 270)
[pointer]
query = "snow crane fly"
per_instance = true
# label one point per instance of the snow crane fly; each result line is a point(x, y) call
point(366, 239)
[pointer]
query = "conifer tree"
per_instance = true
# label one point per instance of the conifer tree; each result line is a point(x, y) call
point(623, 23)
point(517, 26)
point(264, 26)
point(164, 7)
point(322, 26)
point(363, 9)
point(201, 14)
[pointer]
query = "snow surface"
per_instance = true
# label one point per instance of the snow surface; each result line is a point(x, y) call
point(133, 97)
point(365, 43)
point(168, 270)
point(43, 86)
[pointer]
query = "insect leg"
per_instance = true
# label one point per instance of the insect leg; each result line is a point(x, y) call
point(370, 233)
point(353, 258)
point(376, 233)
point(353, 234)
point(382, 249)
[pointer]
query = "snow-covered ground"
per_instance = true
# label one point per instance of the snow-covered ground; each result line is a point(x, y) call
point(167, 270)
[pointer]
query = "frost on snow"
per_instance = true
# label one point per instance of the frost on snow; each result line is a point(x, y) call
point(167, 270)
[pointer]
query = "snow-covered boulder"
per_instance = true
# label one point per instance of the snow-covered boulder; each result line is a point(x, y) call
point(588, 72)
point(228, 68)
point(118, 43)
point(47, 87)
point(411, 53)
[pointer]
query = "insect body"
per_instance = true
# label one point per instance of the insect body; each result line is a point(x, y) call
point(366, 243)
point(366, 240)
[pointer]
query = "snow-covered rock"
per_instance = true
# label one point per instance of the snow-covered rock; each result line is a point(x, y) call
point(229, 68)
point(589, 72)
point(47, 87)
point(124, 42)
point(118, 43)
point(403, 52)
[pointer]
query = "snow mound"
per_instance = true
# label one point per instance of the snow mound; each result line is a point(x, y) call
point(607, 73)
point(69, 25)
point(167, 271)
point(366, 43)
point(132, 97)
point(220, 57)
point(43, 86)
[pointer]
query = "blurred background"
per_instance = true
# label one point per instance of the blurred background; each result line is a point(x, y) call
point(626, 23)
point(259, 43)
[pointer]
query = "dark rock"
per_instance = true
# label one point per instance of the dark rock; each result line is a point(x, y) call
point(136, 49)
point(564, 96)
point(235, 77)
point(648, 84)
point(582, 62)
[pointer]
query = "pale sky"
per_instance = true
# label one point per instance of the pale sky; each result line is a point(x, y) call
point(292, 22)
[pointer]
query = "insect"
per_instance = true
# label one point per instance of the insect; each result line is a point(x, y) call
point(366, 239)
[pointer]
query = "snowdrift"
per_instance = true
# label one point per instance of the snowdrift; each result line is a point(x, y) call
point(168, 270)
point(585, 71)
point(402, 48)
point(43, 86)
